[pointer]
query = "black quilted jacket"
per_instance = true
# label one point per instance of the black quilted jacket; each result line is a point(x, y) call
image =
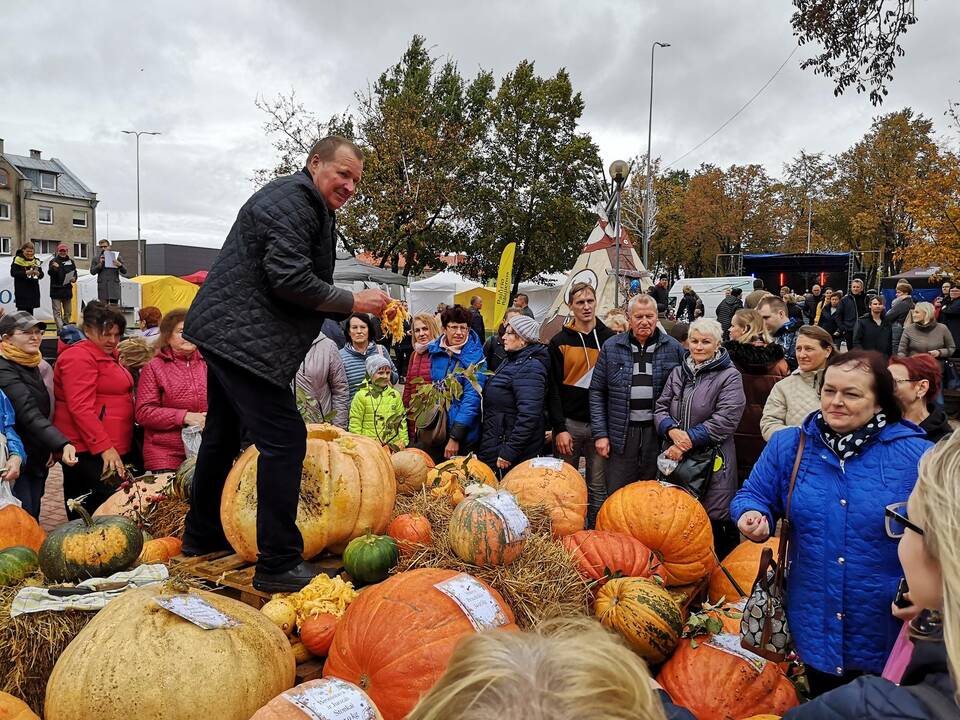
point(271, 286)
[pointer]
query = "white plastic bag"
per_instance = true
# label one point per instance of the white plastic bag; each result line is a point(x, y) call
point(6, 495)
point(191, 436)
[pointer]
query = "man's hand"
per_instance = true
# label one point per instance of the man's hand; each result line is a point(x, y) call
point(503, 464)
point(452, 448)
point(370, 301)
point(564, 443)
point(754, 525)
point(602, 446)
point(54, 264)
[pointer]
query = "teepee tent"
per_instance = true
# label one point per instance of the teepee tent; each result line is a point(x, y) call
point(597, 266)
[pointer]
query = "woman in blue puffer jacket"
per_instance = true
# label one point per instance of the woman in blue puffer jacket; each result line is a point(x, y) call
point(457, 348)
point(513, 399)
point(929, 539)
point(843, 570)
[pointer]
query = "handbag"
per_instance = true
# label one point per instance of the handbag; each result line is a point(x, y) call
point(695, 471)
point(764, 629)
point(431, 426)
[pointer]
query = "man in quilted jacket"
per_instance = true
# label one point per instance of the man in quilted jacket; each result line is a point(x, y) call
point(255, 318)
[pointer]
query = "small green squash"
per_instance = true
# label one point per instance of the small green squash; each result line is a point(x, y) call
point(183, 479)
point(90, 547)
point(369, 558)
point(16, 563)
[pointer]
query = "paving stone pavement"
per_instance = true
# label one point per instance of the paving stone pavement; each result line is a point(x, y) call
point(52, 510)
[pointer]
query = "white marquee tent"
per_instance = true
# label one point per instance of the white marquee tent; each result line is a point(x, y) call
point(424, 295)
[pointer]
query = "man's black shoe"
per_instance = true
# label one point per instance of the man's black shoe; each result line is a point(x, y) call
point(290, 581)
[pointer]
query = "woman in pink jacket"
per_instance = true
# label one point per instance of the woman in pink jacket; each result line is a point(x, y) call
point(171, 395)
point(93, 406)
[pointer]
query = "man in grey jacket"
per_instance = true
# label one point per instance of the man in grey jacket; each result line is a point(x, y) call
point(108, 269)
point(629, 376)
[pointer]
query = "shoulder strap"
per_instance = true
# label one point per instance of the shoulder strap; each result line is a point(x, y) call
point(940, 705)
point(785, 530)
point(793, 473)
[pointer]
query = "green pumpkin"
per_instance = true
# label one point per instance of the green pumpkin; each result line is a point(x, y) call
point(183, 480)
point(369, 558)
point(16, 563)
point(90, 547)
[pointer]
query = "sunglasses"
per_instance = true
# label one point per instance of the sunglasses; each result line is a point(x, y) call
point(897, 524)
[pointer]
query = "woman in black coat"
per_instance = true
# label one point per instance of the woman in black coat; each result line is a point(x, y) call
point(22, 379)
point(873, 332)
point(829, 319)
point(26, 272)
point(514, 398)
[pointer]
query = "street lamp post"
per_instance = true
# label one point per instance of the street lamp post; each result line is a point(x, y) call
point(618, 173)
point(140, 252)
point(648, 194)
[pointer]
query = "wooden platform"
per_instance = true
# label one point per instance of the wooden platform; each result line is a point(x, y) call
point(230, 574)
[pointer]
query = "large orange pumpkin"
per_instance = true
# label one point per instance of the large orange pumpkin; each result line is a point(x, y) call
point(742, 563)
point(12, 708)
point(17, 527)
point(340, 698)
point(411, 470)
point(417, 626)
point(410, 530)
point(489, 530)
point(600, 556)
point(140, 490)
point(450, 478)
point(555, 484)
point(160, 550)
point(644, 613)
point(347, 489)
point(718, 680)
point(667, 520)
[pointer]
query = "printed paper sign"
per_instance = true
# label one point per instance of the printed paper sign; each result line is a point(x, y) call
point(730, 643)
point(196, 610)
point(547, 462)
point(505, 506)
point(332, 699)
point(475, 600)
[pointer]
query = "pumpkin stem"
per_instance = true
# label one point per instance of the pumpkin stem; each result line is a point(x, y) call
point(76, 505)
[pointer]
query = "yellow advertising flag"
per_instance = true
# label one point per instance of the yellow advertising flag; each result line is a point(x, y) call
point(504, 283)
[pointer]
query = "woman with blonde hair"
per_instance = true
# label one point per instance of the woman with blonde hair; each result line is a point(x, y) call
point(928, 527)
point(616, 320)
point(926, 335)
point(762, 365)
point(425, 328)
point(798, 394)
point(566, 669)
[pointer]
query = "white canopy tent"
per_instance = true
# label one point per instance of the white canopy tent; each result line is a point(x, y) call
point(7, 299)
point(424, 295)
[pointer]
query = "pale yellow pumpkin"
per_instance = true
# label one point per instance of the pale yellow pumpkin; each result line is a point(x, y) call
point(141, 489)
point(347, 489)
point(411, 470)
point(135, 659)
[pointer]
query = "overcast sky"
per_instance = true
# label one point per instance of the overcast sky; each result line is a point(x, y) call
point(77, 73)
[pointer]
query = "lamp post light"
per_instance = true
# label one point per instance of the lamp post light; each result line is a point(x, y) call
point(619, 170)
point(648, 193)
point(140, 248)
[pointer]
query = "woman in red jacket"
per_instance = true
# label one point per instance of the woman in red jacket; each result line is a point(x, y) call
point(425, 330)
point(171, 395)
point(93, 396)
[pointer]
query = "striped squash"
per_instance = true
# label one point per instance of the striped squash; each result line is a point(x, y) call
point(644, 613)
point(481, 535)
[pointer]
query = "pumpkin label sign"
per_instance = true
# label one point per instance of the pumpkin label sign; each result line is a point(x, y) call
point(730, 643)
point(481, 609)
point(196, 610)
point(504, 504)
point(333, 700)
point(547, 462)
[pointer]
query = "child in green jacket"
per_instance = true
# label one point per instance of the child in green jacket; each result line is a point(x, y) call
point(378, 404)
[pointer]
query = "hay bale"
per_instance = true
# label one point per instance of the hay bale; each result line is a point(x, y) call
point(30, 645)
point(542, 583)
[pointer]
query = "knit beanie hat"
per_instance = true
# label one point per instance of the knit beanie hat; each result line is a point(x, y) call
point(526, 327)
point(375, 362)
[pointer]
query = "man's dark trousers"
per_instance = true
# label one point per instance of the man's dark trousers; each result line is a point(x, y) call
point(238, 400)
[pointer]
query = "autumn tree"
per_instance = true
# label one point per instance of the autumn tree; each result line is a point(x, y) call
point(537, 179)
point(803, 200)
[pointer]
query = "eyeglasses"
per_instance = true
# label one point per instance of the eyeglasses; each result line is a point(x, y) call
point(895, 518)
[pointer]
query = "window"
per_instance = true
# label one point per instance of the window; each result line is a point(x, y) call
point(45, 247)
point(48, 181)
point(4, 246)
point(45, 215)
point(79, 218)
point(80, 251)
point(4, 178)
point(4, 211)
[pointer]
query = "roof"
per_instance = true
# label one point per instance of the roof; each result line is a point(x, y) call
point(68, 184)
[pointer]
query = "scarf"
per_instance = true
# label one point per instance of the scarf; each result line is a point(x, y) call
point(453, 349)
point(421, 348)
point(20, 260)
point(14, 354)
point(846, 445)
